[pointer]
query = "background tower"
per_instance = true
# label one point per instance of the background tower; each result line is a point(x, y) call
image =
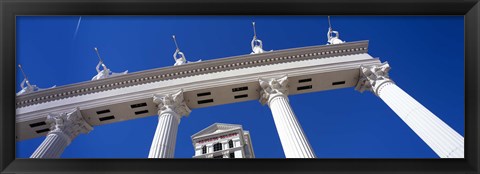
point(222, 140)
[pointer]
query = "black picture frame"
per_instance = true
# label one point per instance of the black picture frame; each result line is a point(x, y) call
point(10, 8)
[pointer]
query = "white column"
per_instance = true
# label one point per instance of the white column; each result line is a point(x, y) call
point(171, 108)
point(64, 127)
point(440, 137)
point(294, 142)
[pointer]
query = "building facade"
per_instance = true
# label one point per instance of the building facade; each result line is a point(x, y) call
point(222, 140)
point(63, 113)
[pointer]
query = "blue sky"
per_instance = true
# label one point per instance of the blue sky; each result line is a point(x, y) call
point(425, 53)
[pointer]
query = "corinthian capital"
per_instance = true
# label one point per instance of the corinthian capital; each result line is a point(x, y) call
point(372, 77)
point(272, 87)
point(172, 103)
point(70, 124)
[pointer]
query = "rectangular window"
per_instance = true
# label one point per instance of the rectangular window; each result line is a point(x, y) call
point(241, 96)
point(305, 80)
point(204, 149)
point(232, 155)
point(103, 111)
point(141, 112)
point(304, 87)
point(217, 147)
point(203, 94)
point(106, 118)
point(42, 131)
point(38, 124)
point(138, 105)
point(338, 83)
point(205, 101)
point(240, 89)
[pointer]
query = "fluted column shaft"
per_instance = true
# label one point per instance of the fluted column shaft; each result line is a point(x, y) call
point(163, 145)
point(445, 141)
point(64, 128)
point(171, 107)
point(440, 137)
point(294, 142)
point(52, 146)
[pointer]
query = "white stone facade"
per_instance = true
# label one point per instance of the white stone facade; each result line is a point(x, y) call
point(117, 94)
point(294, 142)
point(223, 141)
point(172, 92)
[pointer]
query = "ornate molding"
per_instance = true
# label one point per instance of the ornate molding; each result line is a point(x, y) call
point(191, 69)
point(372, 77)
point(173, 102)
point(70, 124)
point(272, 88)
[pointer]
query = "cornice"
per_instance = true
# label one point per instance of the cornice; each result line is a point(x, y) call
point(191, 69)
point(114, 98)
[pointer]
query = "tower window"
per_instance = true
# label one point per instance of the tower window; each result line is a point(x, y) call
point(204, 149)
point(230, 144)
point(217, 147)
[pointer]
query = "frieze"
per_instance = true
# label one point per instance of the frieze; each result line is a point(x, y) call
point(191, 69)
point(217, 138)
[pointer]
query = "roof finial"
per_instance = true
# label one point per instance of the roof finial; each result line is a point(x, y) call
point(329, 24)
point(105, 72)
point(21, 69)
point(178, 56)
point(333, 39)
point(257, 45)
point(98, 54)
point(29, 88)
point(175, 40)
point(254, 30)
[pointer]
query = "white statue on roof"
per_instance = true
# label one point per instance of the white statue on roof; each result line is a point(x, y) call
point(178, 56)
point(330, 34)
point(105, 72)
point(257, 44)
point(29, 88)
